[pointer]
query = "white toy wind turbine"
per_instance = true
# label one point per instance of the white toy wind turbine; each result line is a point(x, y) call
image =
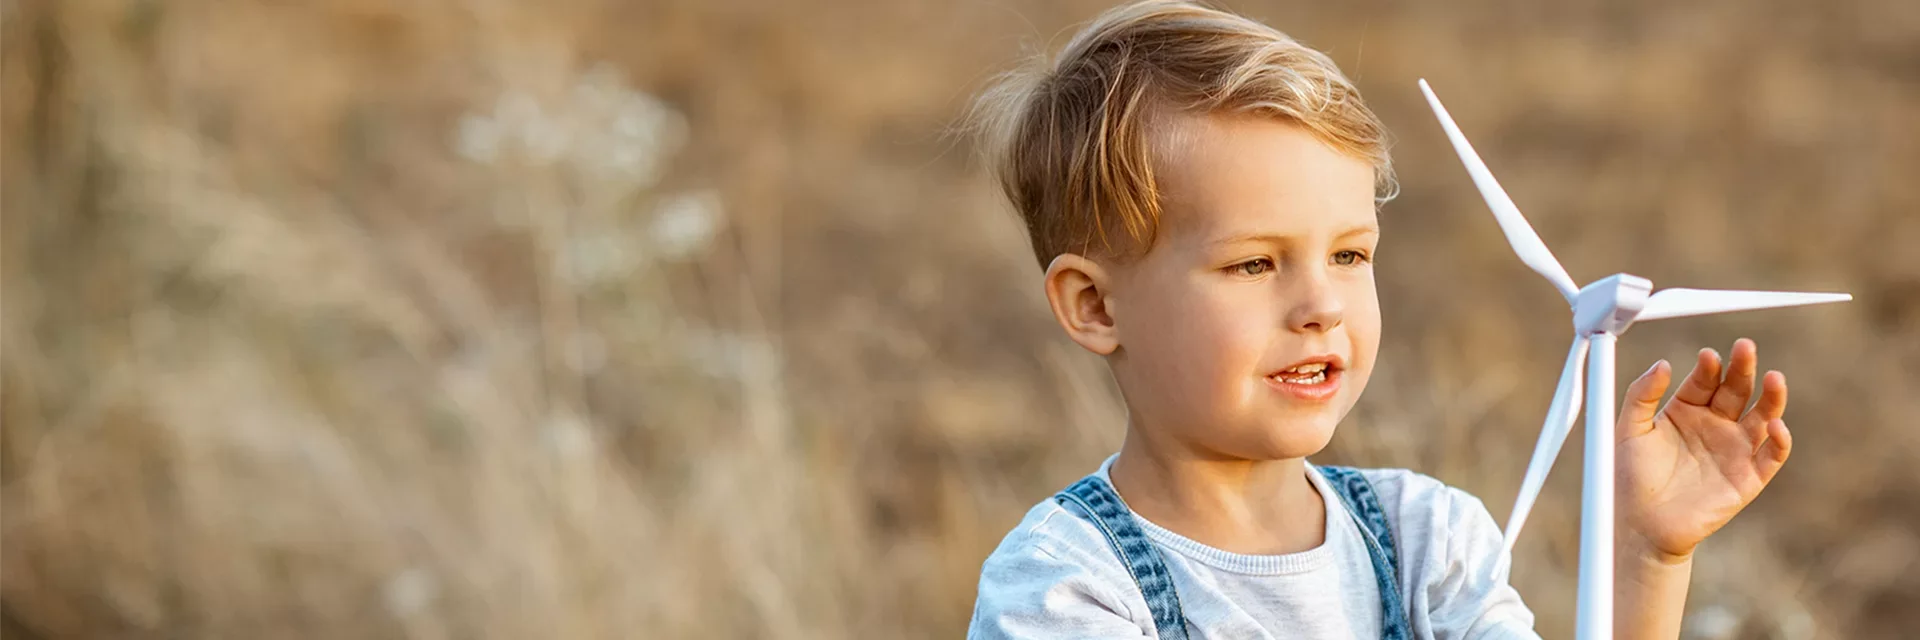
point(1601, 312)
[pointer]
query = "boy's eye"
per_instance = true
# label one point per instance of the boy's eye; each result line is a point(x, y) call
point(1254, 267)
point(1349, 257)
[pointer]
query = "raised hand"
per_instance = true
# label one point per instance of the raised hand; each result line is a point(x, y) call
point(1685, 470)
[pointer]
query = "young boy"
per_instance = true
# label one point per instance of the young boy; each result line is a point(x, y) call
point(1201, 190)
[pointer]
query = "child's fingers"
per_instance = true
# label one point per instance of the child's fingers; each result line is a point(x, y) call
point(1772, 405)
point(1773, 453)
point(1730, 400)
point(1699, 385)
point(1643, 400)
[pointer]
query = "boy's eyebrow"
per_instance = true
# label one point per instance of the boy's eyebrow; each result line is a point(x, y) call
point(1275, 238)
point(1358, 229)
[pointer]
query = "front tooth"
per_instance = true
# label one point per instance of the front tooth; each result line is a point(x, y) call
point(1310, 368)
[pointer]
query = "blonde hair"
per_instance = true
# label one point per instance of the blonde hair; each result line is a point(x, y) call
point(1070, 140)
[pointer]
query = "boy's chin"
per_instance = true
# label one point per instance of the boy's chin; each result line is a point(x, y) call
point(1282, 440)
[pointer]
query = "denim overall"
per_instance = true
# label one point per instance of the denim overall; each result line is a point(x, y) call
point(1092, 498)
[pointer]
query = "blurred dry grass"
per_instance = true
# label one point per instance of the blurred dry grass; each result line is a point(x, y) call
point(588, 318)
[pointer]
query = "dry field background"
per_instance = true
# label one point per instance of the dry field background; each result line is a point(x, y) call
point(694, 318)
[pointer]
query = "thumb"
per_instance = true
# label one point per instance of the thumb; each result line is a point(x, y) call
point(1643, 400)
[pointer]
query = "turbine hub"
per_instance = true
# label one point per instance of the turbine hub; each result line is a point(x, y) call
point(1610, 304)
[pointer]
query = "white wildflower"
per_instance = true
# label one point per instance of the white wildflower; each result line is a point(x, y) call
point(410, 592)
point(568, 436)
point(479, 139)
point(684, 225)
point(602, 129)
point(1713, 622)
point(589, 260)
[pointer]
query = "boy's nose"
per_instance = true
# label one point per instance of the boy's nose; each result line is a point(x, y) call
point(1318, 309)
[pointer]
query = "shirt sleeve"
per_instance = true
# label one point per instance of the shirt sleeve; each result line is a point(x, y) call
point(1030, 591)
point(1469, 596)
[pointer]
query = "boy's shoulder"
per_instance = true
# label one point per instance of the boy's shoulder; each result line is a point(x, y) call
point(1421, 506)
point(1407, 487)
point(1054, 573)
point(1051, 530)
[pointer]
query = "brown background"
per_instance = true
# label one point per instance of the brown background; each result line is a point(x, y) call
point(576, 318)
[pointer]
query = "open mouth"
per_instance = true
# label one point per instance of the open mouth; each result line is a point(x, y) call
point(1314, 379)
point(1311, 373)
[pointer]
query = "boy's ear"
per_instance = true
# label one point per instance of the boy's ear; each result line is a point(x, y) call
point(1077, 289)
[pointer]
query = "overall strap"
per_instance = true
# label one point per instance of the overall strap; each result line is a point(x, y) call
point(1097, 502)
point(1357, 493)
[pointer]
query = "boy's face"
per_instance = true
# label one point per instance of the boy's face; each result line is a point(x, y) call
point(1264, 261)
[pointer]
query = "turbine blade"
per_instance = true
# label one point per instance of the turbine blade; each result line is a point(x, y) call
point(1525, 242)
point(1560, 417)
point(1677, 303)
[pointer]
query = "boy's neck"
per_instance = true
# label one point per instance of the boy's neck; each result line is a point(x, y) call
point(1260, 507)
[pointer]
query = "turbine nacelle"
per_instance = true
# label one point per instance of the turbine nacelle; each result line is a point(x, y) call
point(1610, 304)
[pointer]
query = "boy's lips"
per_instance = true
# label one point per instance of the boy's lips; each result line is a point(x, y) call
point(1314, 379)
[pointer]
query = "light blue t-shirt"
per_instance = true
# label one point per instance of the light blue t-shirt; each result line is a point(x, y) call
point(1054, 576)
